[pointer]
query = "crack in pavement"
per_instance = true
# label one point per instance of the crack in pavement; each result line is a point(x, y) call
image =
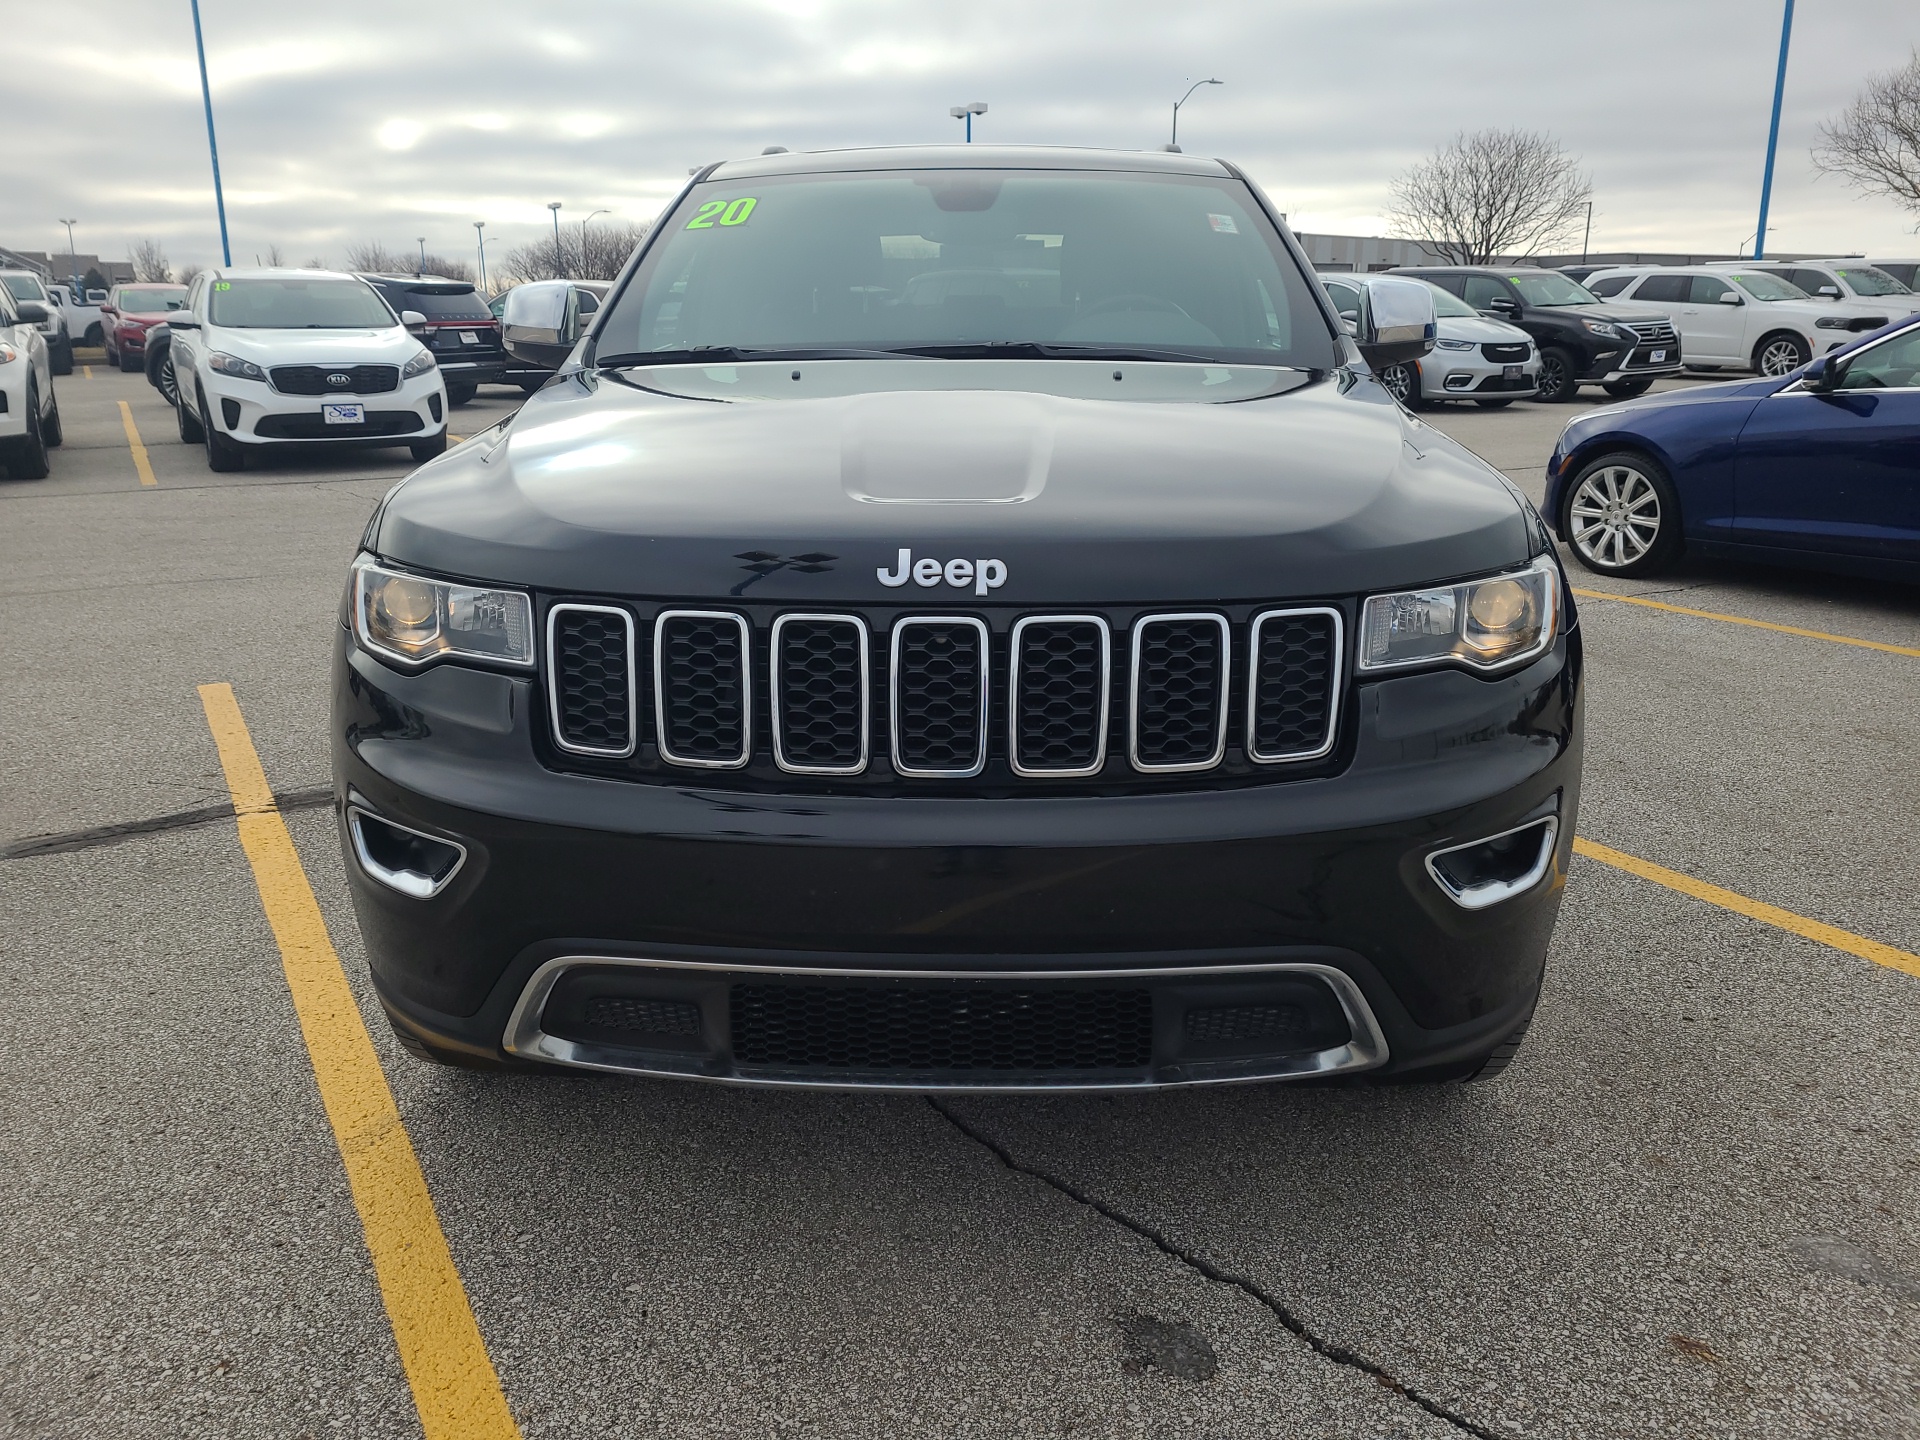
point(71, 840)
point(1326, 1349)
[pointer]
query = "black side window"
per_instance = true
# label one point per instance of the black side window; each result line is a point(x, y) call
point(1610, 286)
point(1482, 290)
point(1664, 289)
point(1707, 290)
point(1346, 301)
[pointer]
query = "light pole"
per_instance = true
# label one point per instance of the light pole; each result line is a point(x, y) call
point(966, 113)
point(1174, 139)
point(1587, 234)
point(554, 206)
point(73, 263)
point(1773, 133)
point(583, 242)
point(213, 150)
point(480, 234)
point(422, 242)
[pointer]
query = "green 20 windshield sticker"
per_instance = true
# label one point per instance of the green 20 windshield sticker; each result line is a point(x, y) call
point(720, 212)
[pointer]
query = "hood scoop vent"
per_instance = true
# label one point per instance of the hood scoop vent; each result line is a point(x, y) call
point(945, 448)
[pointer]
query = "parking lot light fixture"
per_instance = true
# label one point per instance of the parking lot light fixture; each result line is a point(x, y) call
point(1173, 140)
point(554, 206)
point(213, 149)
point(1773, 133)
point(583, 238)
point(966, 113)
point(480, 234)
point(422, 242)
point(73, 261)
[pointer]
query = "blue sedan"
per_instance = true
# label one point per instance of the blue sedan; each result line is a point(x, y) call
point(1819, 468)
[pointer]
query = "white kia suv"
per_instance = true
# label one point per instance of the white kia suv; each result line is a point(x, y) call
point(279, 357)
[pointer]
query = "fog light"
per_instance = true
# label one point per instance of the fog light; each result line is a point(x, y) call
point(410, 861)
point(1485, 872)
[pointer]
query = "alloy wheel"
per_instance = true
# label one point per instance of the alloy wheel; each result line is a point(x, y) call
point(1553, 377)
point(1780, 357)
point(169, 387)
point(1399, 381)
point(1616, 516)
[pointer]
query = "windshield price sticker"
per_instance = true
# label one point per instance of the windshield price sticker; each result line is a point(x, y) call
point(1223, 224)
point(723, 212)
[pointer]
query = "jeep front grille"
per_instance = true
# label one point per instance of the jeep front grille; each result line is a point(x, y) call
point(882, 697)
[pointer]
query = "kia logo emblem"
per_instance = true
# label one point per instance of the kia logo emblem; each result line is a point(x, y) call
point(338, 378)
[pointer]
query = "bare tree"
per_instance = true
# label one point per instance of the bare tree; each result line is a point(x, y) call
point(372, 255)
point(186, 274)
point(1492, 193)
point(149, 261)
point(274, 258)
point(315, 262)
point(1876, 141)
point(452, 269)
point(606, 248)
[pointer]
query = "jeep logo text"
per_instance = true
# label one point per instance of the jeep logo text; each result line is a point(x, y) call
point(983, 575)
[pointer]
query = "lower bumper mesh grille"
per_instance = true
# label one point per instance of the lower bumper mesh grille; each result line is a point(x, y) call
point(931, 1030)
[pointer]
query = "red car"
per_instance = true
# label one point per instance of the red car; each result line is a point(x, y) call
point(130, 311)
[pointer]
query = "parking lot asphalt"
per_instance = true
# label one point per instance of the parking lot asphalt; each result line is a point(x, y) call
point(1689, 1208)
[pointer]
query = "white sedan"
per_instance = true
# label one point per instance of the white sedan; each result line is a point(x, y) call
point(280, 357)
point(29, 411)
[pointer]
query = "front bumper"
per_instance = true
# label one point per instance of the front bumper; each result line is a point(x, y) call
point(491, 371)
point(1467, 375)
point(13, 399)
point(252, 412)
point(575, 891)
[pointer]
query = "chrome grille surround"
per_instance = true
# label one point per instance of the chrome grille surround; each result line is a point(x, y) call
point(900, 629)
point(1014, 688)
point(775, 689)
point(1224, 690)
point(1335, 681)
point(662, 716)
point(554, 685)
point(1651, 331)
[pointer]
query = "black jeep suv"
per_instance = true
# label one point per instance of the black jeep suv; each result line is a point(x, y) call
point(461, 331)
point(1582, 340)
point(960, 617)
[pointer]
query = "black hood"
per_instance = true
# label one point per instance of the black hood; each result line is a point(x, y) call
point(618, 485)
point(1612, 313)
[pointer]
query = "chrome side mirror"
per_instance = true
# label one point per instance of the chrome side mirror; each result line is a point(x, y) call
point(1396, 323)
point(540, 323)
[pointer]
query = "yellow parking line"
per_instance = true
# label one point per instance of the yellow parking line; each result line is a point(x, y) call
point(1743, 620)
point(87, 371)
point(1753, 909)
point(454, 1384)
point(134, 443)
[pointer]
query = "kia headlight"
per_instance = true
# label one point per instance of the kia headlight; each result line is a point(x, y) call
point(420, 364)
point(234, 367)
point(412, 619)
point(1484, 624)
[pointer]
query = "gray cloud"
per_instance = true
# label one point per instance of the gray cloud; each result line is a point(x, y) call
point(361, 121)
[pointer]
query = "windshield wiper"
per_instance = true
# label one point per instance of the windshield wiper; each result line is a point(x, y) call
point(1048, 350)
point(734, 355)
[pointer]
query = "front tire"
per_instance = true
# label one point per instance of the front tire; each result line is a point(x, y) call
point(1558, 377)
point(165, 381)
point(1780, 353)
point(26, 458)
point(1621, 516)
point(425, 450)
point(51, 429)
point(461, 394)
point(1403, 383)
point(1494, 404)
point(60, 357)
point(185, 416)
point(223, 455)
point(1627, 389)
point(129, 361)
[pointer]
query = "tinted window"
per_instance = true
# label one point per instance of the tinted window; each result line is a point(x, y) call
point(438, 302)
point(297, 304)
point(1346, 300)
point(1763, 286)
point(1905, 271)
point(964, 258)
point(1664, 289)
point(1482, 290)
point(1893, 365)
point(1707, 290)
point(26, 287)
point(152, 300)
point(1550, 287)
point(1869, 280)
point(1810, 281)
point(1612, 285)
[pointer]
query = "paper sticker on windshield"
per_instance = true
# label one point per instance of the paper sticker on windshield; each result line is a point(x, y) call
point(1223, 224)
point(723, 212)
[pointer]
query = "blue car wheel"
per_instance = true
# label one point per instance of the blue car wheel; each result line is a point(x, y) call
point(1622, 517)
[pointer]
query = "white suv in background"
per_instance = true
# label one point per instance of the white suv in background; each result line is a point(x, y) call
point(27, 288)
point(1848, 279)
point(278, 357)
point(1740, 315)
point(29, 413)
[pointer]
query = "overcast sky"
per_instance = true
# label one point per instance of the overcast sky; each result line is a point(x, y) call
point(355, 121)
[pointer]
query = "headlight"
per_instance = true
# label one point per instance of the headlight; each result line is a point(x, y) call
point(412, 619)
point(8, 354)
point(1453, 344)
point(419, 365)
point(236, 367)
point(1833, 322)
point(1610, 331)
point(1485, 624)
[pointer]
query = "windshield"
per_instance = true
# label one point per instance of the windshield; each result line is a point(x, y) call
point(166, 297)
point(298, 304)
point(1762, 286)
point(25, 287)
point(1865, 280)
point(972, 262)
point(1545, 287)
point(1446, 303)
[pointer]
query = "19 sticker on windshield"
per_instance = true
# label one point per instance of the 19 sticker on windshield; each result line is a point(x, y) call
point(723, 212)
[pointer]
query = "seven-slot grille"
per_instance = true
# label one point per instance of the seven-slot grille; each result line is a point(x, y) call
point(317, 379)
point(939, 693)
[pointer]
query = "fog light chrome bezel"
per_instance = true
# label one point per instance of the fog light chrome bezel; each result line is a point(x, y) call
point(1493, 892)
point(414, 884)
